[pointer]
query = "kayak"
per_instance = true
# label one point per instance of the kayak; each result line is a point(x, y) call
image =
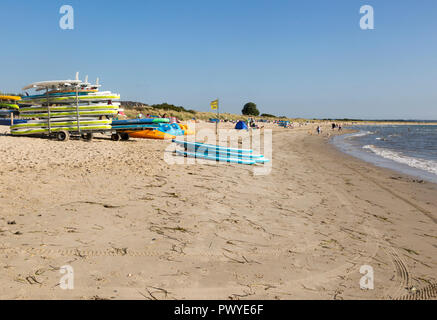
point(9, 106)
point(187, 130)
point(140, 121)
point(7, 112)
point(7, 122)
point(206, 146)
point(150, 134)
point(96, 106)
point(256, 157)
point(54, 94)
point(97, 113)
point(13, 98)
point(44, 124)
point(57, 129)
point(172, 128)
point(98, 96)
point(135, 126)
point(201, 155)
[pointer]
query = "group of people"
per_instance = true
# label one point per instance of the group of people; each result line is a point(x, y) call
point(252, 123)
point(336, 125)
point(140, 116)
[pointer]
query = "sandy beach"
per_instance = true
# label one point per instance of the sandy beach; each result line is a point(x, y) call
point(134, 227)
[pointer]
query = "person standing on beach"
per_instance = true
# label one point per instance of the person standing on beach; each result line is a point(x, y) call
point(319, 130)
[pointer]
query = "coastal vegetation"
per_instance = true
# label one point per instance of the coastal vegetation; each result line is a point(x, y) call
point(250, 109)
point(132, 109)
point(267, 115)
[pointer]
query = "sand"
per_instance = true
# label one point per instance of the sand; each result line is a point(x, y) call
point(134, 227)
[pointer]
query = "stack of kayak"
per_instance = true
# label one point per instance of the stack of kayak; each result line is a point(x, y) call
point(218, 153)
point(135, 127)
point(9, 102)
point(140, 124)
point(67, 106)
point(151, 128)
point(67, 92)
point(8, 107)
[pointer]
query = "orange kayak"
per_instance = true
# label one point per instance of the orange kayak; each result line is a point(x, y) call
point(151, 134)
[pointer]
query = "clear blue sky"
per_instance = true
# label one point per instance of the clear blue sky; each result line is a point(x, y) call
point(295, 58)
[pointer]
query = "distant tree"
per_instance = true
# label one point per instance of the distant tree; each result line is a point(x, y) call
point(250, 109)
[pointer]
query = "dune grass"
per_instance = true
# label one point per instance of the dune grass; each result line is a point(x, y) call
point(133, 111)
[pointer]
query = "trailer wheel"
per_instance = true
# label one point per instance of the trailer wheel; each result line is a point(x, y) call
point(63, 136)
point(88, 136)
point(124, 136)
point(115, 137)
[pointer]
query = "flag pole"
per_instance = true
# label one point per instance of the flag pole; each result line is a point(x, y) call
point(218, 118)
point(217, 142)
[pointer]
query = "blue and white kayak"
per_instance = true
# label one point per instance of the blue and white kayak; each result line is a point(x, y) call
point(135, 126)
point(205, 146)
point(54, 94)
point(140, 121)
point(7, 121)
point(227, 154)
point(213, 157)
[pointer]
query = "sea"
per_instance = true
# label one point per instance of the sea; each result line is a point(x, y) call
point(409, 149)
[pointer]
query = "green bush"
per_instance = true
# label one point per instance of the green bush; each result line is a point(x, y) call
point(169, 107)
point(162, 106)
point(268, 115)
point(250, 109)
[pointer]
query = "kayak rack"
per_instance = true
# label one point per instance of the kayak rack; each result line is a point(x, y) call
point(64, 135)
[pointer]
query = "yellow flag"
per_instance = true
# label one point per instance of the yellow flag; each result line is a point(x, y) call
point(214, 104)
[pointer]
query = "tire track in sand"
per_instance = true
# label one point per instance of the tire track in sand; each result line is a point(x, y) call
point(426, 293)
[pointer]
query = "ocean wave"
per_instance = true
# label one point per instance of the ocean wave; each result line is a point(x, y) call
point(382, 139)
point(427, 165)
point(360, 134)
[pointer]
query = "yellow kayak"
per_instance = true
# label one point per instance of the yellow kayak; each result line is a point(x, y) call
point(8, 106)
point(13, 98)
point(187, 130)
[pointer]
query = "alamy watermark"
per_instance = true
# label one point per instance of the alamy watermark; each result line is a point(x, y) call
point(67, 20)
point(67, 280)
point(367, 281)
point(367, 21)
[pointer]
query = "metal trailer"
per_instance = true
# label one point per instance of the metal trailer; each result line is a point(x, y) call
point(118, 135)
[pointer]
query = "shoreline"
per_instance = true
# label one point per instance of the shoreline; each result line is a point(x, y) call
point(379, 161)
point(134, 227)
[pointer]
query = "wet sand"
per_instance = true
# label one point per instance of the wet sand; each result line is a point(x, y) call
point(134, 227)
